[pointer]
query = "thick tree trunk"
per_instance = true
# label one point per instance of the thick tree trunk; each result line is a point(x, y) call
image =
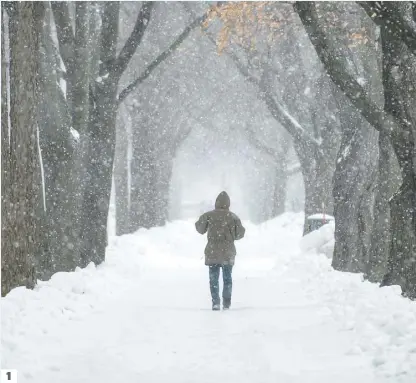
point(5, 148)
point(401, 269)
point(57, 146)
point(354, 176)
point(80, 122)
point(98, 166)
point(399, 69)
point(20, 234)
point(98, 147)
point(143, 193)
point(317, 174)
point(387, 183)
point(318, 198)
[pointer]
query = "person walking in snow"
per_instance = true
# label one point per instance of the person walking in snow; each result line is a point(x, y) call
point(223, 227)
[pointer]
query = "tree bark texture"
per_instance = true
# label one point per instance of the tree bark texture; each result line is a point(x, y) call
point(20, 231)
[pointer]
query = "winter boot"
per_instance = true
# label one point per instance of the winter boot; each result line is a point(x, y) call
point(226, 304)
point(216, 307)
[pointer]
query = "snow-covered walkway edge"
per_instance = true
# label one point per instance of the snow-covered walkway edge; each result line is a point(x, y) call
point(142, 268)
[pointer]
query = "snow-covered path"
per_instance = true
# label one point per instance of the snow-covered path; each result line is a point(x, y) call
point(144, 316)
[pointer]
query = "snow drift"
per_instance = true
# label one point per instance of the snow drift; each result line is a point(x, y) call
point(144, 314)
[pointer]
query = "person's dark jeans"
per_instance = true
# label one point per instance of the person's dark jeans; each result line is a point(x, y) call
point(214, 276)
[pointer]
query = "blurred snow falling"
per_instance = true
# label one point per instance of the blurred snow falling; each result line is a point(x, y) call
point(121, 122)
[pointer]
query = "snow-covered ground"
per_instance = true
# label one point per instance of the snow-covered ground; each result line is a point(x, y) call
point(144, 316)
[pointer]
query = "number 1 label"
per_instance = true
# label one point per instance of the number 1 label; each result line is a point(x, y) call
point(8, 376)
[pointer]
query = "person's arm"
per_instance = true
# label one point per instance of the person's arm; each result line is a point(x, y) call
point(201, 225)
point(239, 229)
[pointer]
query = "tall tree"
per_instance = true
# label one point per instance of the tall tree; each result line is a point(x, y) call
point(20, 162)
point(395, 120)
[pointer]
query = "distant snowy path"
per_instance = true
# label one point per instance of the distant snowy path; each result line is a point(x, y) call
point(145, 316)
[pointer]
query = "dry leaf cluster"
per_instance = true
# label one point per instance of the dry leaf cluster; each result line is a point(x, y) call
point(245, 22)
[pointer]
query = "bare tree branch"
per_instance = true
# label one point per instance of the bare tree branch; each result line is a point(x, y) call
point(159, 59)
point(336, 66)
point(387, 14)
point(276, 109)
point(134, 39)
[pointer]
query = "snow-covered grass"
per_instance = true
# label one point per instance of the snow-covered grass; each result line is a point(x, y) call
point(144, 315)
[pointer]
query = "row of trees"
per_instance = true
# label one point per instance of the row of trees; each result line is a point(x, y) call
point(396, 124)
point(367, 49)
point(336, 80)
point(58, 151)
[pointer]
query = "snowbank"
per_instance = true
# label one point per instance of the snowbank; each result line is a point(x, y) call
point(381, 322)
point(320, 240)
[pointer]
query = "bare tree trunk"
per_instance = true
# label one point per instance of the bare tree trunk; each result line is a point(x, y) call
point(164, 175)
point(57, 146)
point(400, 94)
point(387, 184)
point(280, 183)
point(143, 192)
point(98, 165)
point(121, 176)
point(100, 145)
point(317, 177)
point(5, 150)
point(353, 178)
point(20, 239)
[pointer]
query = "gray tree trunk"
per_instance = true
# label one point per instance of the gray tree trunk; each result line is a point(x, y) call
point(280, 183)
point(98, 164)
point(80, 105)
point(388, 179)
point(5, 149)
point(143, 193)
point(317, 174)
point(100, 146)
point(354, 177)
point(57, 146)
point(399, 70)
point(20, 234)
point(165, 169)
point(121, 177)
